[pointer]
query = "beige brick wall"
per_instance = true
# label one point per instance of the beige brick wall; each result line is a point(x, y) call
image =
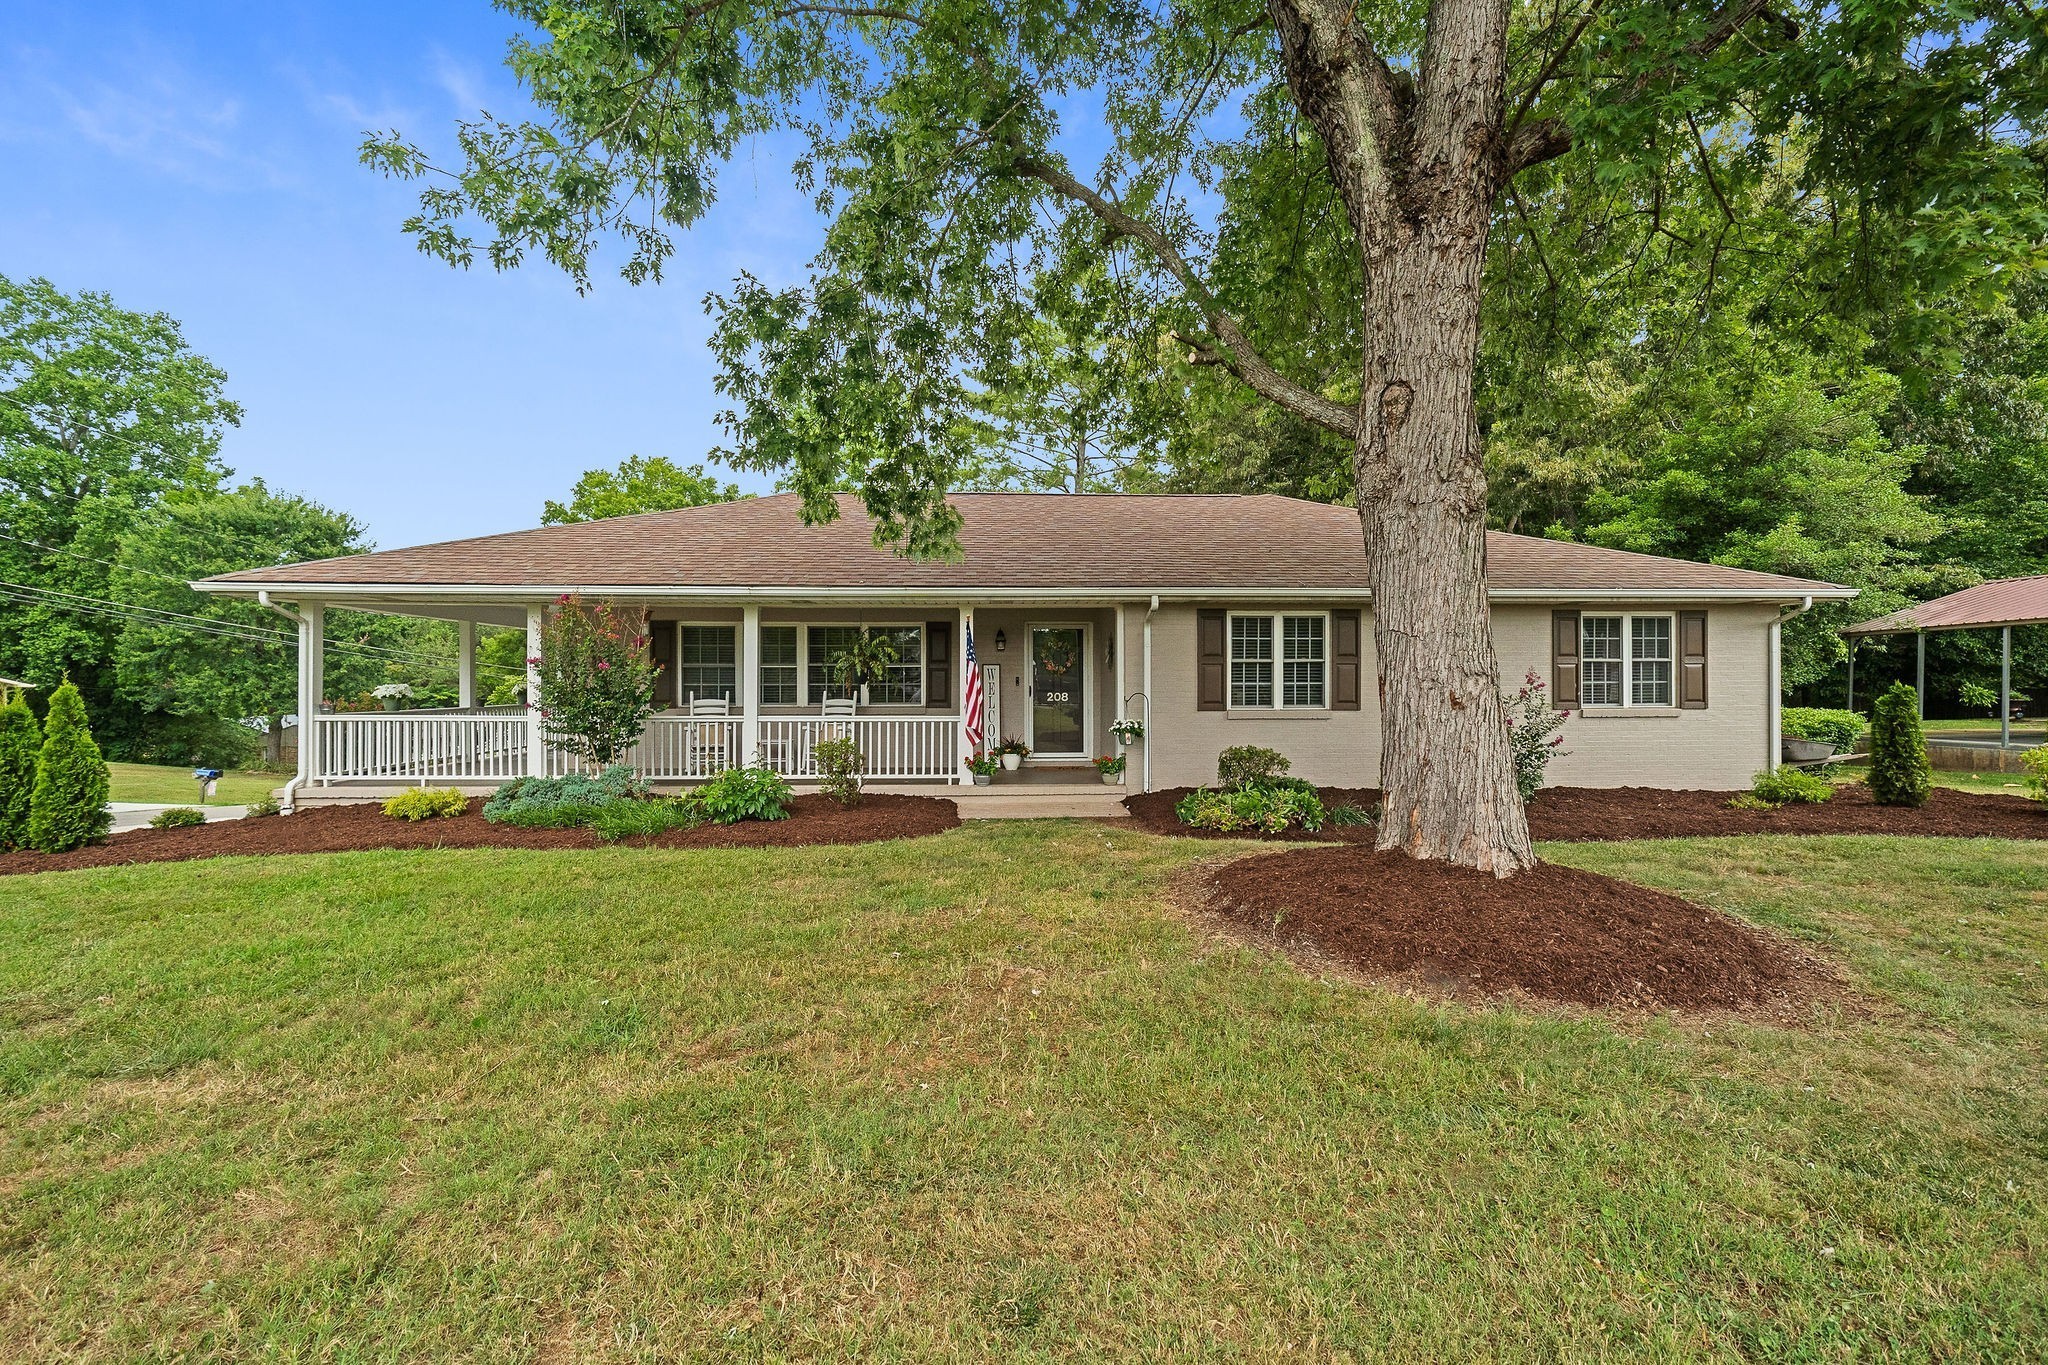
point(1718, 748)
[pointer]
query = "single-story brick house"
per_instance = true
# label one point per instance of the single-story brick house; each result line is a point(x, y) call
point(1216, 620)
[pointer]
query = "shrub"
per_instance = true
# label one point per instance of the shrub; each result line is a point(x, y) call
point(262, 806)
point(596, 680)
point(21, 741)
point(1267, 810)
point(2035, 761)
point(1352, 815)
point(574, 815)
point(1247, 765)
point(1900, 774)
point(645, 819)
point(1839, 728)
point(177, 817)
point(1788, 786)
point(744, 794)
point(1533, 724)
point(427, 803)
point(68, 806)
point(524, 799)
point(839, 763)
point(1749, 801)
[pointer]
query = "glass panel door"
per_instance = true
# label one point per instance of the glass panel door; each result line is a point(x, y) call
point(1058, 700)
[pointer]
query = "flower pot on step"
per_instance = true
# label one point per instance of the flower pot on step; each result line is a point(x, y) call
point(982, 779)
point(1012, 762)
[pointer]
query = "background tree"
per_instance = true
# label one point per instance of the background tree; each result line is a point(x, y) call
point(639, 484)
point(1388, 134)
point(191, 654)
point(104, 413)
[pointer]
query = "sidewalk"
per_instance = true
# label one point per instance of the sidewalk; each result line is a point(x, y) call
point(137, 815)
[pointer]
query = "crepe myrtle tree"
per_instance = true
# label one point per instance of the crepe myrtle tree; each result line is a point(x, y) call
point(971, 158)
point(596, 678)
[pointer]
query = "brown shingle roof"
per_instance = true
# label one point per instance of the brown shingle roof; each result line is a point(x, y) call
point(2001, 602)
point(1041, 541)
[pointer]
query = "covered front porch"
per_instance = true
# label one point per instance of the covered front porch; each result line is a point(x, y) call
point(763, 663)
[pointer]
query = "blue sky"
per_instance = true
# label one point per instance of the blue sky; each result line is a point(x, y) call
point(200, 159)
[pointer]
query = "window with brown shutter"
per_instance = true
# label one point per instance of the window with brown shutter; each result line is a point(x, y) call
point(938, 664)
point(1692, 660)
point(1212, 661)
point(1346, 681)
point(1564, 660)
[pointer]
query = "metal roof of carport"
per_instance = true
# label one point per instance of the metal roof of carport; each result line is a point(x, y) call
point(2001, 602)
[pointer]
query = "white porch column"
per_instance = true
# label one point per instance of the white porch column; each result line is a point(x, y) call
point(465, 666)
point(1774, 746)
point(963, 775)
point(312, 683)
point(2005, 692)
point(536, 740)
point(750, 682)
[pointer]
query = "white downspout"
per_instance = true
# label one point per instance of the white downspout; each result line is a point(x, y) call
point(306, 732)
point(1146, 673)
point(1774, 713)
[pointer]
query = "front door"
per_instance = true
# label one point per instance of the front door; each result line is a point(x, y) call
point(1059, 709)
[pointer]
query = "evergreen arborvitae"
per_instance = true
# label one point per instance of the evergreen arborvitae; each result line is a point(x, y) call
point(21, 740)
point(69, 807)
point(1900, 774)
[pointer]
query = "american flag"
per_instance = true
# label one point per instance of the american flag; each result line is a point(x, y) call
point(970, 695)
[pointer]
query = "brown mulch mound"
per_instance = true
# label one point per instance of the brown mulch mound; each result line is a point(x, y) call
point(813, 819)
point(1592, 814)
point(1555, 933)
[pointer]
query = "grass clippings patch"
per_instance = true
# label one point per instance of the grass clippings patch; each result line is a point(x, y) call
point(813, 819)
point(1554, 933)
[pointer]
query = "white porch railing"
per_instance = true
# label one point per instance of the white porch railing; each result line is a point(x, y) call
point(412, 746)
point(894, 746)
point(673, 749)
point(401, 747)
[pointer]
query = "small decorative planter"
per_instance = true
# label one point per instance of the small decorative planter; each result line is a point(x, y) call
point(982, 779)
point(1112, 779)
point(394, 703)
point(1012, 762)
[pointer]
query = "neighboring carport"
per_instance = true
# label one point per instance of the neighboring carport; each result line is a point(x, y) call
point(1998, 605)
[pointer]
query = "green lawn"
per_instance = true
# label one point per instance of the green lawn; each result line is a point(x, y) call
point(1996, 784)
point(156, 783)
point(988, 1095)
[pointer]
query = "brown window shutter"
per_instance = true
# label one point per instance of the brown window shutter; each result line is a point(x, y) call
point(1212, 661)
point(1564, 660)
point(1692, 660)
point(1346, 684)
point(938, 663)
point(661, 644)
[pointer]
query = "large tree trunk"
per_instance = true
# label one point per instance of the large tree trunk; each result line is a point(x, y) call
point(1446, 770)
point(273, 744)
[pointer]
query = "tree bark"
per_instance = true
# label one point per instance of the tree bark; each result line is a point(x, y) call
point(273, 744)
point(1418, 174)
point(1447, 774)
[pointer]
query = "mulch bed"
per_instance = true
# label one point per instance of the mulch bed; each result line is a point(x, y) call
point(813, 819)
point(1589, 814)
point(1555, 933)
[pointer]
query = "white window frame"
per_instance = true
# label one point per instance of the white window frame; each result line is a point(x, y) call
point(803, 651)
point(1279, 660)
point(738, 664)
point(1628, 660)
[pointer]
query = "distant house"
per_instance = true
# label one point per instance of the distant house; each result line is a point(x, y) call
point(1216, 620)
point(11, 688)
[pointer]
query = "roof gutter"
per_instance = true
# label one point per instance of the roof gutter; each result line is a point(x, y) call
point(508, 593)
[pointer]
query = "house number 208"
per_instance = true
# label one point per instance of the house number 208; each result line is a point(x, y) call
point(1056, 696)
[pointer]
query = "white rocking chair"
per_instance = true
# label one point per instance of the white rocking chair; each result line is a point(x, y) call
point(708, 748)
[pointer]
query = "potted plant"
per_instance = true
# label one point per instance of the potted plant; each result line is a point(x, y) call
point(1128, 730)
point(983, 766)
point(1111, 766)
point(393, 695)
point(1013, 753)
point(862, 662)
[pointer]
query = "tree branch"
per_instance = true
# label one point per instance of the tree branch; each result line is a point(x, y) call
point(1357, 104)
point(1728, 21)
point(1236, 354)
